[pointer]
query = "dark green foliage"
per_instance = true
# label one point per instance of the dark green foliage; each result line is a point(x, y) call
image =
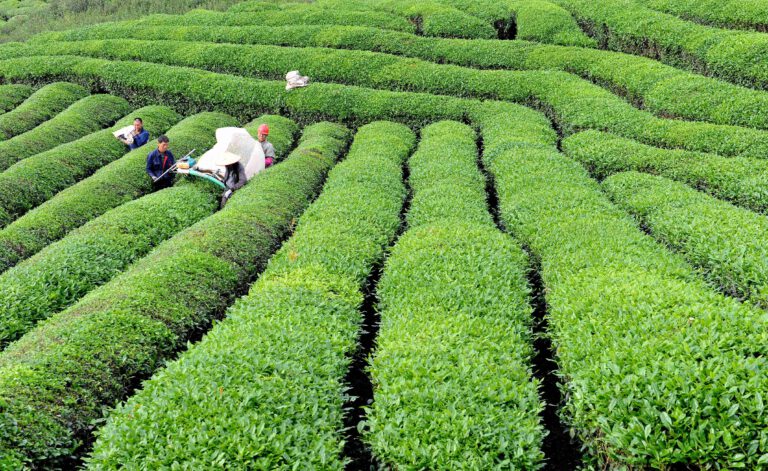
point(13, 95)
point(116, 183)
point(656, 368)
point(573, 102)
point(741, 180)
point(57, 378)
point(451, 371)
point(270, 377)
point(42, 105)
point(36, 179)
point(83, 117)
point(727, 243)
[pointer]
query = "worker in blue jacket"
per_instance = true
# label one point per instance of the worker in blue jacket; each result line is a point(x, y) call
point(159, 162)
point(139, 135)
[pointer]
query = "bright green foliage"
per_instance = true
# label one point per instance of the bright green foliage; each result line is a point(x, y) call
point(573, 102)
point(625, 25)
point(739, 14)
point(83, 117)
point(727, 243)
point(430, 18)
point(656, 368)
point(534, 20)
point(44, 104)
point(660, 88)
point(57, 378)
point(119, 182)
point(451, 371)
point(90, 256)
point(36, 179)
point(741, 180)
point(270, 377)
point(191, 89)
point(13, 95)
point(303, 15)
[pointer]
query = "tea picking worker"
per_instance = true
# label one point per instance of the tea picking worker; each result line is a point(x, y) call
point(139, 134)
point(159, 162)
point(234, 177)
point(269, 149)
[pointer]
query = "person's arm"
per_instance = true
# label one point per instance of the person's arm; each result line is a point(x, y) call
point(269, 155)
point(151, 168)
point(140, 140)
point(241, 178)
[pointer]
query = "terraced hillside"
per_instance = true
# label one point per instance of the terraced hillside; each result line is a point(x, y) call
point(518, 234)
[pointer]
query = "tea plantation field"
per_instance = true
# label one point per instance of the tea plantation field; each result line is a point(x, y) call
point(508, 234)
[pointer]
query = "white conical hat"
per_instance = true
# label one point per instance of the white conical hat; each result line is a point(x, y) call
point(226, 158)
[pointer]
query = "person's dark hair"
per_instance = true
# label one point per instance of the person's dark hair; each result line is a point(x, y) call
point(139, 120)
point(162, 138)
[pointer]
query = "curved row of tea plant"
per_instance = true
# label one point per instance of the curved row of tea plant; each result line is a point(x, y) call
point(431, 18)
point(533, 20)
point(451, 371)
point(657, 369)
point(741, 180)
point(65, 271)
point(121, 181)
point(80, 119)
point(574, 103)
point(12, 95)
point(308, 15)
point(191, 90)
point(658, 87)
point(736, 56)
point(738, 14)
point(270, 377)
point(727, 243)
point(57, 378)
point(36, 179)
point(41, 106)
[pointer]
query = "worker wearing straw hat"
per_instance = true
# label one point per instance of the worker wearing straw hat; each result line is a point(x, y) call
point(235, 177)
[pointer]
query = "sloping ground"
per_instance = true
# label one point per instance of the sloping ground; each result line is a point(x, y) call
point(656, 368)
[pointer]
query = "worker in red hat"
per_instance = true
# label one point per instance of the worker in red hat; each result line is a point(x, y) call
point(269, 149)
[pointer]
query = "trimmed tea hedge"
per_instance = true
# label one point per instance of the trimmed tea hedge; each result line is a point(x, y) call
point(42, 105)
point(270, 378)
point(534, 20)
point(430, 18)
point(13, 95)
point(659, 88)
point(56, 380)
point(656, 368)
point(738, 14)
point(197, 89)
point(90, 256)
point(451, 371)
point(36, 179)
point(306, 15)
point(83, 117)
point(66, 270)
point(743, 181)
point(736, 56)
point(118, 182)
point(727, 243)
point(573, 102)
